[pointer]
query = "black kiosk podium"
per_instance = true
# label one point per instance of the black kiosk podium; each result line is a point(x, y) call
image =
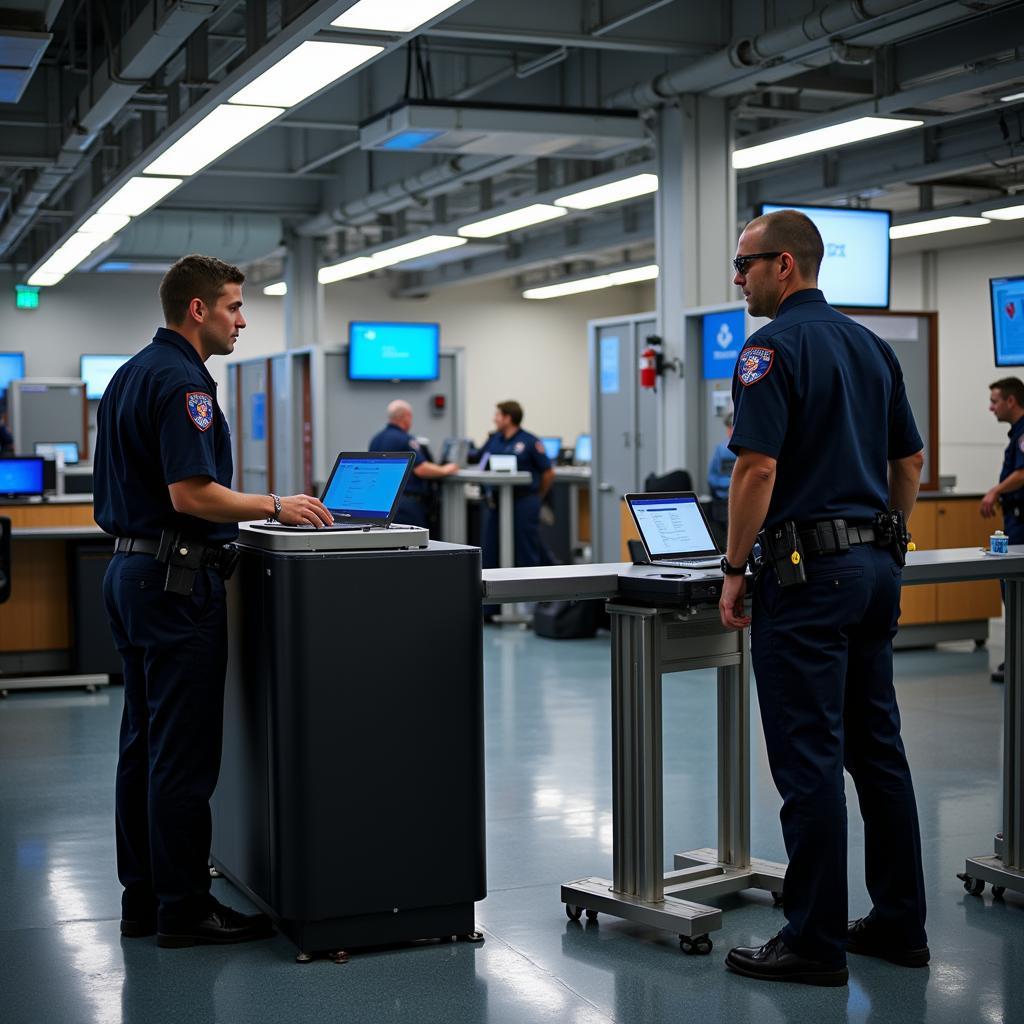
point(351, 797)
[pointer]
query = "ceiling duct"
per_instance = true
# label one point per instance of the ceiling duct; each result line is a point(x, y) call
point(20, 53)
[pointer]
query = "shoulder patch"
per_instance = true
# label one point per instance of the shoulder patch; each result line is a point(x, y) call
point(414, 444)
point(1020, 442)
point(754, 364)
point(540, 447)
point(199, 406)
point(519, 447)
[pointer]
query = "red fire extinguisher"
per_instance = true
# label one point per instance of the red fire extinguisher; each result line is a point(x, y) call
point(649, 368)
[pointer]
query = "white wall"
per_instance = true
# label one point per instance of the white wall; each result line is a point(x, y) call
point(954, 283)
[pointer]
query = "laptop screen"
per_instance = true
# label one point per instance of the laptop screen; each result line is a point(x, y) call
point(21, 476)
point(672, 525)
point(366, 486)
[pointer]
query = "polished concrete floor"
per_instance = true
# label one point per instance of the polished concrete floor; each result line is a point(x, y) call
point(548, 821)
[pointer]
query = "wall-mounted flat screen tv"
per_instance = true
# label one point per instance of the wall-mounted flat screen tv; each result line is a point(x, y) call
point(393, 351)
point(12, 367)
point(96, 371)
point(1008, 319)
point(857, 267)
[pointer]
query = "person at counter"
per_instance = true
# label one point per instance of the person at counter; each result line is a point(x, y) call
point(415, 505)
point(721, 466)
point(1006, 403)
point(162, 475)
point(509, 438)
point(828, 458)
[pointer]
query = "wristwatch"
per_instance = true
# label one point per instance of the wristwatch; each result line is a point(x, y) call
point(277, 508)
point(733, 570)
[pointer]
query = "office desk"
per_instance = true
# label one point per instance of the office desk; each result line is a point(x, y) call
point(650, 640)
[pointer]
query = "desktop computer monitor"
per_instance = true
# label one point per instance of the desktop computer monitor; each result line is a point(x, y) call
point(21, 476)
point(583, 453)
point(552, 446)
point(49, 449)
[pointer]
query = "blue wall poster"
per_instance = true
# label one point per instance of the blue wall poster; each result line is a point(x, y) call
point(609, 356)
point(723, 339)
point(258, 420)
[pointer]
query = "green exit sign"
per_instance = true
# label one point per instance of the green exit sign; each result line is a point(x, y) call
point(26, 297)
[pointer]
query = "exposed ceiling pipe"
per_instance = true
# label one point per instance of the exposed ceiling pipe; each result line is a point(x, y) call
point(156, 35)
point(765, 50)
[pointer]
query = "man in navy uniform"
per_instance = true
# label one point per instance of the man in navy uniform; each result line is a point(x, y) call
point(826, 445)
point(413, 507)
point(162, 468)
point(1006, 403)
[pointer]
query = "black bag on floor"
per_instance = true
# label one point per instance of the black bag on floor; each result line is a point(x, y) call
point(567, 620)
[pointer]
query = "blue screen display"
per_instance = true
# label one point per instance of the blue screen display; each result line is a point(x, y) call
point(552, 447)
point(364, 488)
point(386, 351)
point(582, 452)
point(22, 476)
point(96, 371)
point(1008, 319)
point(724, 334)
point(855, 270)
point(12, 367)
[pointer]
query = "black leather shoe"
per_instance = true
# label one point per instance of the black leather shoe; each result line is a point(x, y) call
point(865, 938)
point(138, 927)
point(774, 961)
point(997, 675)
point(220, 926)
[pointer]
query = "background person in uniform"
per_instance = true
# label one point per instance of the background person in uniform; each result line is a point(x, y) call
point(509, 438)
point(1006, 403)
point(163, 463)
point(414, 506)
point(6, 437)
point(823, 433)
point(719, 474)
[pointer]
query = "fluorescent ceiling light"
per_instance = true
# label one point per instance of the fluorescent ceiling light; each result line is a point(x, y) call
point(137, 195)
point(538, 213)
point(347, 268)
point(1011, 98)
point(413, 250)
point(613, 192)
point(71, 253)
point(391, 15)
point(1005, 213)
point(43, 279)
point(591, 284)
point(280, 288)
point(937, 224)
point(310, 67)
point(222, 129)
point(105, 224)
point(821, 138)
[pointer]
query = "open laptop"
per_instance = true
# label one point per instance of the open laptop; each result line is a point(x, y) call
point(455, 449)
point(674, 530)
point(363, 490)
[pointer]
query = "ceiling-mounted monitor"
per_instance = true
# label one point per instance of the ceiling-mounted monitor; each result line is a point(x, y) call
point(12, 367)
point(1008, 319)
point(96, 371)
point(393, 351)
point(857, 267)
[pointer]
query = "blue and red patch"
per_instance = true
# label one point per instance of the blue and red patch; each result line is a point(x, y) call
point(200, 409)
point(754, 364)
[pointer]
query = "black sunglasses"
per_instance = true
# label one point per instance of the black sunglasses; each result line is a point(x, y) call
point(741, 263)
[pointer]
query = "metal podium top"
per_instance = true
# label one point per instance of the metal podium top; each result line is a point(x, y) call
point(601, 581)
point(272, 537)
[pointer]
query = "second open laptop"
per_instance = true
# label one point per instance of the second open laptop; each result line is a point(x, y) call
point(364, 489)
point(674, 530)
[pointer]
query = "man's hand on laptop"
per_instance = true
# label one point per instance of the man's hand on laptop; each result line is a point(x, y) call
point(304, 510)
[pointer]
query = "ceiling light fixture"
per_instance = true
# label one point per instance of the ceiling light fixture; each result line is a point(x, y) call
point(613, 192)
point(391, 15)
point(346, 269)
point(137, 195)
point(222, 129)
point(538, 213)
point(935, 225)
point(67, 257)
point(278, 288)
point(1012, 97)
point(310, 67)
point(1005, 213)
point(44, 279)
point(414, 250)
point(815, 141)
point(105, 224)
point(591, 284)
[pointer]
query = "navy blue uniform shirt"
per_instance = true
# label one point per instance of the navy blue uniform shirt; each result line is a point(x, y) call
point(1013, 459)
point(394, 439)
point(529, 452)
point(825, 397)
point(158, 422)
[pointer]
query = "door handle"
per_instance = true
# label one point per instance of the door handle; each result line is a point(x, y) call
point(605, 487)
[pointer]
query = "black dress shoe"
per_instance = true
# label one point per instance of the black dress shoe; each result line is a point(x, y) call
point(774, 961)
point(865, 938)
point(220, 926)
point(138, 927)
point(997, 675)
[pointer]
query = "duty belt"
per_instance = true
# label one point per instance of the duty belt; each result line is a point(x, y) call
point(833, 535)
point(215, 556)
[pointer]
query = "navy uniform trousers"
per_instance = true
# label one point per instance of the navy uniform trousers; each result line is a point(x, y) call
point(527, 545)
point(822, 659)
point(412, 512)
point(174, 650)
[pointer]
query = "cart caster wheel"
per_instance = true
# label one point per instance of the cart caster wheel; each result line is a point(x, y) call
point(339, 956)
point(572, 912)
point(471, 937)
point(591, 915)
point(303, 958)
point(975, 886)
point(776, 898)
point(697, 945)
point(997, 891)
point(214, 873)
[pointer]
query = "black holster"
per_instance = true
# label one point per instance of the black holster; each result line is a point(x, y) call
point(183, 558)
point(778, 546)
point(891, 528)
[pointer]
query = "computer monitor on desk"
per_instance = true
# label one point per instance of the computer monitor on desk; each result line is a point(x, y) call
point(21, 476)
point(583, 453)
point(50, 449)
point(552, 447)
